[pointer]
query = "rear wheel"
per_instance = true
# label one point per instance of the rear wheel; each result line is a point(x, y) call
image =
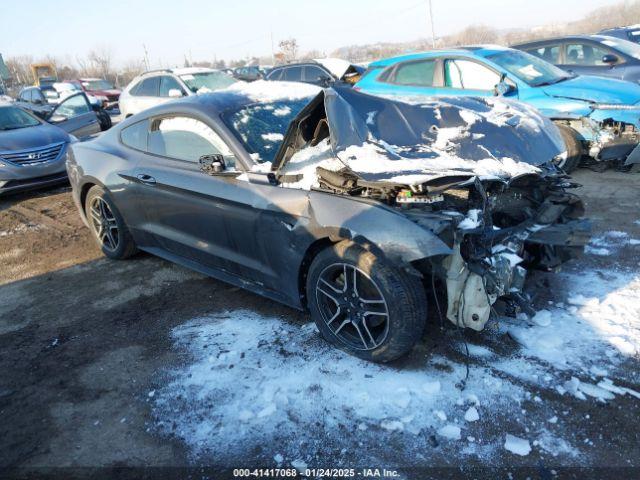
point(107, 225)
point(574, 148)
point(364, 305)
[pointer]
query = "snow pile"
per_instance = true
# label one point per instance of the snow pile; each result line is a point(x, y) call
point(253, 380)
point(374, 159)
point(264, 91)
point(517, 445)
point(609, 242)
point(306, 161)
point(602, 322)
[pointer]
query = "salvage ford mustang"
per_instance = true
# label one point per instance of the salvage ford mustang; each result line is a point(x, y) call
point(338, 202)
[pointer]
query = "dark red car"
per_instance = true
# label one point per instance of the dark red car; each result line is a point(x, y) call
point(102, 89)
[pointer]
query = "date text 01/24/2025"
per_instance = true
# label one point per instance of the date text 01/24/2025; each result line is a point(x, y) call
point(316, 472)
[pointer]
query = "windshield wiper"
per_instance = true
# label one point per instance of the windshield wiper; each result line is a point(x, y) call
point(554, 81)
point(15, 127)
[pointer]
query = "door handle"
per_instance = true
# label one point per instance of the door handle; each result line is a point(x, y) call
point(146, 179)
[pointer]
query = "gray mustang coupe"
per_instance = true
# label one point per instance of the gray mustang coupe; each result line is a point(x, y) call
point(345, 204)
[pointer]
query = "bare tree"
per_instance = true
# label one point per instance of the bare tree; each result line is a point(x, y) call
point(100, 62)
point(473, 34)
point(289, 49)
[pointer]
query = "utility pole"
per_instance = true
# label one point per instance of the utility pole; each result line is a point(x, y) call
point(146, 57)
point(433, 34)
point(273, 57)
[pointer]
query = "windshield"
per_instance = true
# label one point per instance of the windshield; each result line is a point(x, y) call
point(12, 118)
point(207, 80)
point(624, 46)
point(261, 127)
point(98, 85)
point(532, 70)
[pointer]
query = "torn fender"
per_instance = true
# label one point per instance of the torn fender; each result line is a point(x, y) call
point(369, 223)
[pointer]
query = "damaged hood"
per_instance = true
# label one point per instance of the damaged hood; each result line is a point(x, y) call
point(395, 141)
point(596, 90)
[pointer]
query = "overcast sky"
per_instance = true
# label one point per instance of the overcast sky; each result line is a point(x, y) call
point(208, 29)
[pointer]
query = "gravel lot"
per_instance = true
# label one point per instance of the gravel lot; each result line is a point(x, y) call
point(143, 363)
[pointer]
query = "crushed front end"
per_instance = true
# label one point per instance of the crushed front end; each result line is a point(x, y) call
point(498, 230)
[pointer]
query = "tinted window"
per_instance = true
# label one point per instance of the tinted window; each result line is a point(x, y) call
point(73, 106)
point(292, 74)
point(148, 87)
point(169, 83)
point(415, 73)
point(469, 75)
point(25, 95)
point(134, 90)
point(187, 139)
point(584, 54)
point(275, 74)
point(315, 74)
point(135, 136)
point(37, 95)
point(550, 53)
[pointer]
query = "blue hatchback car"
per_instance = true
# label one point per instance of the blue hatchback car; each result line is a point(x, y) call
point(596, 116)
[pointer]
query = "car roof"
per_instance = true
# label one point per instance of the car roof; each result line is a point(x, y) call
point(177, 71)
point(596, 37)
point(470, 50)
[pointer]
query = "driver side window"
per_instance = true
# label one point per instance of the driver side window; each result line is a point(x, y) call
point(469, 75)
point(584, 54)
point(188, 139)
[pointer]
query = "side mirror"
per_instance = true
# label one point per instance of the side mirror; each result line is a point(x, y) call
point(57, 119)
point(175, 93)
point(37, 101)
point(504, 87)
point(610, 59)
point(212, 164)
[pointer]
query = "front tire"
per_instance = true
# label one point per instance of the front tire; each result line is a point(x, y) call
point(107, 225)
point(364, 305)
point(574, 148)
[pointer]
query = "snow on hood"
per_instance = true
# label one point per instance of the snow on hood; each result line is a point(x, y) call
point(264, 91)
point(336, 66)
point(416, 140)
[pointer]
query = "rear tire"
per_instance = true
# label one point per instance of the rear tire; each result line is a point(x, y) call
point(574, 148)
point(364, 305)
point(107, 225)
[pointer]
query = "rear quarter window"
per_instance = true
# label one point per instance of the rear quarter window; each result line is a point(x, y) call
point(135, 136)
point(415, 73)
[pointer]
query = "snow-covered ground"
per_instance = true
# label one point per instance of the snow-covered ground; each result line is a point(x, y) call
point(262, 388)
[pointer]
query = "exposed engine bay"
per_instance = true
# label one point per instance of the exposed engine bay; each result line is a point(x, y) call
point(496, 226)
point(606, 141)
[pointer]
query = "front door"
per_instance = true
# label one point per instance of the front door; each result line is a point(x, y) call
point(468, 78)
point(75, 116)
point(208, 219)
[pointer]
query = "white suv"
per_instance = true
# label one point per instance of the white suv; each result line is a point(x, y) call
point(153, 88)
